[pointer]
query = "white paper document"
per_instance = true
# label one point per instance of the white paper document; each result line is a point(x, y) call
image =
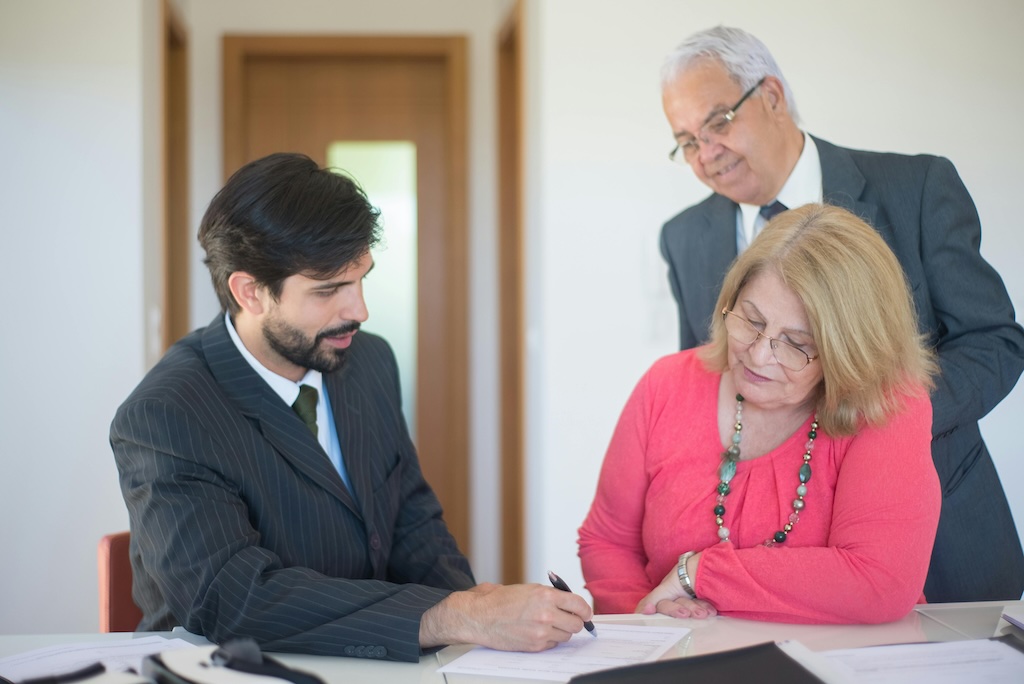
point(120, 655)
point(1014, 615)
point(616, 646)
point(951, 662)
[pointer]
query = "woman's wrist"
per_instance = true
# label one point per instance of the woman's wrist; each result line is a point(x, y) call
point(683, 572)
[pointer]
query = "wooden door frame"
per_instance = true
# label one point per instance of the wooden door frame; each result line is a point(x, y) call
point(445, 385)
point(511, 296)
point(177, 238)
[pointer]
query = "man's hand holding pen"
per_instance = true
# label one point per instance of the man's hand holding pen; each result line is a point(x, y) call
point(558, 583)
point(516, 617)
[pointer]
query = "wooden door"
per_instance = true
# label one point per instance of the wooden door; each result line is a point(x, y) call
point(177, 238)
point(510, 314)
point(300, 94)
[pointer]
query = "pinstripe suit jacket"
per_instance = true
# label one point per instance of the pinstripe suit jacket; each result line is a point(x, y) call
point(241, 526)
point(919, 205)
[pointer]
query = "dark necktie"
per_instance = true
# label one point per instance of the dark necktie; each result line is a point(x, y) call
point(769, 211)
point(305, 406)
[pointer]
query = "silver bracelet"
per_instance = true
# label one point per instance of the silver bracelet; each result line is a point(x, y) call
point(684, 577)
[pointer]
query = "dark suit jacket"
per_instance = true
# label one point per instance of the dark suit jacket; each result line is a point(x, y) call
point(241, 526)
point(924, 212)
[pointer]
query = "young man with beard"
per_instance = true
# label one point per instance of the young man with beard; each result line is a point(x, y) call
point(272, 487)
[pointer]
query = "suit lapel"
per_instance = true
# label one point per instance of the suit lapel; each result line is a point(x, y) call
point(843, 185)
point(277, 422)
point(347, 404)
point(717, 237)
point(714, 251)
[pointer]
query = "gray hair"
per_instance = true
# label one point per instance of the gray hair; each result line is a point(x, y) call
point(745, 58)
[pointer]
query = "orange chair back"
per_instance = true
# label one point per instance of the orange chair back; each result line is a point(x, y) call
point(118, 612)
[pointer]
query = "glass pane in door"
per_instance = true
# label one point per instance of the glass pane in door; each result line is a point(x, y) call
point(386, 170)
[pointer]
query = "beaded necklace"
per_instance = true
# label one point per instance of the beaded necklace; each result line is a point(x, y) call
point(727, 470)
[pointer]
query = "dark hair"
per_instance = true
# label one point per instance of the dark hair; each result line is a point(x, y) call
point(280, 216)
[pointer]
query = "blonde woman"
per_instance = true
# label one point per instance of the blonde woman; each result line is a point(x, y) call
point(783, 471)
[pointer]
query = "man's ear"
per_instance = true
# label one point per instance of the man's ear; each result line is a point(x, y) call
point(775, 94)
point(247, 292)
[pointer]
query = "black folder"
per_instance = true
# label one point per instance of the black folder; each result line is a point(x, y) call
point(762, 663)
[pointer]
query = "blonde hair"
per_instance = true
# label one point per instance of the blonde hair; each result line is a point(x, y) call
point(859, 306)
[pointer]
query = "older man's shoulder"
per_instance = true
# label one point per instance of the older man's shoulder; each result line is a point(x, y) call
point(696, 216)
point(884, 162)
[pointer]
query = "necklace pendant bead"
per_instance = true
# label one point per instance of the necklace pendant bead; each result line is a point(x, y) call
point(798, 504)
point(727, 471)
point(719, 510)
point(780, 537)
point(801, 490)
point(723, 533)
point(805, 473)
point(723, 488)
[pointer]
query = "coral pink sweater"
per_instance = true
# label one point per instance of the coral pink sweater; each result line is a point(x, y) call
point(858, 554)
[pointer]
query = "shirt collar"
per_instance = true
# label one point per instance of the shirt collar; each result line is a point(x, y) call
point(804, 183)
point(282, 386)
point(802, 187)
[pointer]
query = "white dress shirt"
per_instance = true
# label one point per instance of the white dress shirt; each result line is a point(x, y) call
point(289, 392)
point(802, 187)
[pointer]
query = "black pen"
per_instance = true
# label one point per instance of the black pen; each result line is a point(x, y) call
point(558, 583)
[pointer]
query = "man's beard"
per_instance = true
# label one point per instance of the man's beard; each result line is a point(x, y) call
point(293, 345)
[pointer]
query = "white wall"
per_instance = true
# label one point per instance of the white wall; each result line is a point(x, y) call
point(76, 165)
point(915, 76)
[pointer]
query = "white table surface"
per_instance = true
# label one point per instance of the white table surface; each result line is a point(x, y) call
point(935, 622)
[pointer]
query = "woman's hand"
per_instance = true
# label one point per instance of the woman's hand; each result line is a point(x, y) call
point(669, 598)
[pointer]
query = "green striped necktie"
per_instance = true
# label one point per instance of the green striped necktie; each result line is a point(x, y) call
point(305, 406)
